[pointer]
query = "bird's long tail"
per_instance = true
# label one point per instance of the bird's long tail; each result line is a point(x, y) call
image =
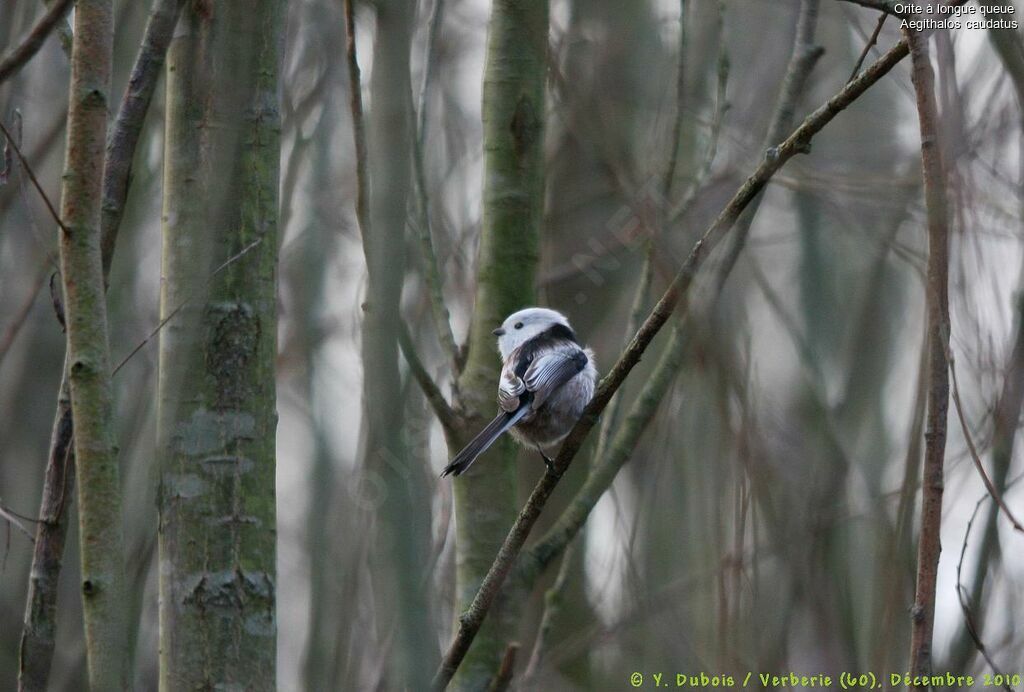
point(482, 442)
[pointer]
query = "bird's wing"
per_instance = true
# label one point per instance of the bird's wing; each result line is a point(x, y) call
point(551, 370)
point(510, 388)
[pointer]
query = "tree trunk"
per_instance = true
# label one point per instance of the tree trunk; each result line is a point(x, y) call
point(513, 117)
point(99, 490)
point(402, 514)
point(39, 627)
point(216, 394)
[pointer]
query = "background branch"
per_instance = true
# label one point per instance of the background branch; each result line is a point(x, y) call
point(449, 419)
point(33, 41)
point(797, 142)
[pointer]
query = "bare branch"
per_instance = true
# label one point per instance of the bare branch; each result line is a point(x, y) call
point(32, 176)
point(961, 595)
point(802, 60)
point(33, 41)
point(178, 308)
point(989, 486)
point(431, 270)
point(798, 142)
point(124, 135)
point(450, 420)
point(503, 678)
point(21, 315)
point(872, 40)
point(15, 521)
point(937, 299)
point(613, 456)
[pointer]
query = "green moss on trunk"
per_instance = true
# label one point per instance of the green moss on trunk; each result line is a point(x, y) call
point(217, 418)
point(99, 491)
point(513, 115)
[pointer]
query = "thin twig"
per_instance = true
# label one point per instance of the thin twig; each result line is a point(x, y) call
point(23, 52)
point(868, 46)
point(674, 296)
point(32, 177)
point(552, 606)
point(21, 314)
point(961, 595)
point(188, 299)
point(14, 521)
point(450, 420)
point(989, 486)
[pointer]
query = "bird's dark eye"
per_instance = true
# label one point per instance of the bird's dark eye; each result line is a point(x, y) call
point(518, 325)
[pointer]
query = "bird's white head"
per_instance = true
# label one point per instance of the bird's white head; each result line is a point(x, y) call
point(523, 325)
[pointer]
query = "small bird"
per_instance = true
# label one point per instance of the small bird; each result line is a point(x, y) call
point(547, 379)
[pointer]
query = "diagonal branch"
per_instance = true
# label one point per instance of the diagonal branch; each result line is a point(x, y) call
point(567, 526)
point(798, 142)
point(23, 52)
point(15, 521)
point(131, 115)
point(965, 607)
point(449, 418)
point(989, 486)
point(872, 40)
point(32, 176)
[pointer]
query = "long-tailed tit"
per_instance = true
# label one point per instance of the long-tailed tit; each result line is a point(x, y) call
point(547, 379)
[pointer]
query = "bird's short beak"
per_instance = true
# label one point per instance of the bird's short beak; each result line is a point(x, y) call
point(498, 332)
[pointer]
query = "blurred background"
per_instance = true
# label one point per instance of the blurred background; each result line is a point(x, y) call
point(766, 520)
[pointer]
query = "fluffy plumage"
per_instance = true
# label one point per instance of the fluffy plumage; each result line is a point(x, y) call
point(547, 379)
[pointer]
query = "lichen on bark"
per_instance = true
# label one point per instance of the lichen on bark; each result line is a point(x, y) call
point(216, 394)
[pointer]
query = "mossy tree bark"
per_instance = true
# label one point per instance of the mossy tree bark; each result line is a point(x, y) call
point(513, 118)
point(88, 352)
point(216, 393)
point(40, 623)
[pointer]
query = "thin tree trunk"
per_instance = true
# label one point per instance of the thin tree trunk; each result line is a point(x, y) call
point(402, 515)
point(39, 628)
point(513, 118)
point(216, 418)
point(923, 611)
point(88, 352)
point(39, 631)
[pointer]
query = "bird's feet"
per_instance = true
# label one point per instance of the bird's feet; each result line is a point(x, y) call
point(548, 461)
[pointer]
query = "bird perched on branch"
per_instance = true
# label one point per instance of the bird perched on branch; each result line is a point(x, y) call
point(547, 379)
